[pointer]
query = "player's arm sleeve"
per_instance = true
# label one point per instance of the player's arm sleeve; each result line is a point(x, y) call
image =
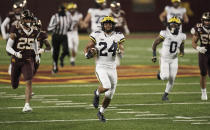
point(92, 37)
point(122, 38)
point(9, 48)
point(3, 27)
point(162, 34)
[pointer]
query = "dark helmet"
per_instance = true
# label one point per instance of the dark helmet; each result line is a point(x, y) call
point(174, 25)
point(206, 17)
point(115, 6)
point(108, 19)
point(27, 15)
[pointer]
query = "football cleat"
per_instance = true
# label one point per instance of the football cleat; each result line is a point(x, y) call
point(72, 63)
point(101, 117)
point(165, 97)
point(54, 71)
point(27, 108)
point(95, 100)
point(204, 97)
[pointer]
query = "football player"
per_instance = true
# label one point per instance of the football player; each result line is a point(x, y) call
point(41, 40)
point(172, 40)
point(121, 23)
point(10, 20)
point(22, 46)
point(105, 43)
point(73, 38)
point(95, 15)
point(201, 32)
point(174, 11)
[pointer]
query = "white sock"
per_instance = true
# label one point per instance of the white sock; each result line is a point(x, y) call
point(203, 90)
point(72, 59)
point(27, 104)
point(102, 110)
point(97, 92)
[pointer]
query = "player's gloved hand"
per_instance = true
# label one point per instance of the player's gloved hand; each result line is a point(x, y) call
point(154, 59)
point(18, 55)
point(89, 55)
point(40, 51)
point(181, 54)
point(37, 59)
point(201, 49)
point(5, 37)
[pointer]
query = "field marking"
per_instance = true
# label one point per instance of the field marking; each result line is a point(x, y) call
point(133, 112)
point(114, 105)
point(95, 85)
point(151, 115)
point(56, 101)
point(83, 120)
point(200, 123)
point(188, 120)
point(84, 95)
point(70, 103)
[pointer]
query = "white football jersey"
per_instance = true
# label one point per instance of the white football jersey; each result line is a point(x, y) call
point(96, 17)
point(175, 12)
point(75, 18)
point(107, 46)
point(171, 44)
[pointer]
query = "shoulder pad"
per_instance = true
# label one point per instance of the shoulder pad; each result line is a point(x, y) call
point(118, 32)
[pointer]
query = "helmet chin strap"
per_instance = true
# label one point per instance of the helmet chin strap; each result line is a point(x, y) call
point(174, 31)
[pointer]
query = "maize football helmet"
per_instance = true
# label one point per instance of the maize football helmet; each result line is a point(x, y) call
point(108, 19)
point(174, 25)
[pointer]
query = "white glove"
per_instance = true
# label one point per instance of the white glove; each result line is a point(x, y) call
point(18, 55)
point(201, 49)
point(40, 51)
point(37, 59)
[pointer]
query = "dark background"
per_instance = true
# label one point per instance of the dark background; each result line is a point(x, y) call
point(143, 21)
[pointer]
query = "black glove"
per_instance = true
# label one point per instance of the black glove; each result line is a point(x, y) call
point(89, 54)
point(154, 59)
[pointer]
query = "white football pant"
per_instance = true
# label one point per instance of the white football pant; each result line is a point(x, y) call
point(73, 40)
point(108, 79)
point(168, 71)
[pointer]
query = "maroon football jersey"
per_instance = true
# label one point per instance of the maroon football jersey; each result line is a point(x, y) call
point(204, 36)
point(24, 41)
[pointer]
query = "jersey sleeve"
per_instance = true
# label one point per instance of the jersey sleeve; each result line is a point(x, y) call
point(167, 8)
point(184, 37)
point(184, 10)
point(80, 16)
point(13, 29)
point(162, 34)
point(90, 10)
point(92, 37)
point(121, 38)
point(43, 36)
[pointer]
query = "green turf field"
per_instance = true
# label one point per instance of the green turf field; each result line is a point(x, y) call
point(136, 104)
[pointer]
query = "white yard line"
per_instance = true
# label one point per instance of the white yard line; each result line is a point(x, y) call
point(201, 123)
point(133, 112)
point(56, 101)
point(188, 120)
point(70, 103)
point(83, 120)
point(94, 85)
point(151, 115)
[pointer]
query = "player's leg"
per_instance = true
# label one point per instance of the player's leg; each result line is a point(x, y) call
point(164, 69)
point(105, 84)
point(65, 49)
point(10, 69)
point(74, 48)
point(173, 67)
point(203, 65)
point(112, 74)
point(15, 73)
point(27, 71)
point(56, 51)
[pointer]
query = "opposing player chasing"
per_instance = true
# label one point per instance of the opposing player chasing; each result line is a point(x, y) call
point(22, 46)
point(202, 32)
point(105, 44)
point(172, 39)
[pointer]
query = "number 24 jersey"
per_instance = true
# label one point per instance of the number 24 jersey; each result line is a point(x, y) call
point(107, 46)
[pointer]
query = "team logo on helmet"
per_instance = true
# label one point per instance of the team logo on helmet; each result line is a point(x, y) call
point(100, 1)
point(174, 25)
